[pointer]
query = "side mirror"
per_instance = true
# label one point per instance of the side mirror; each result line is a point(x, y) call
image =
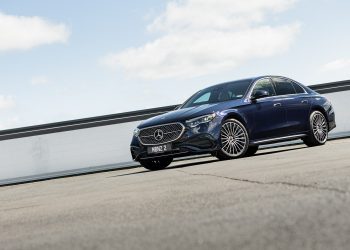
point(260, 94)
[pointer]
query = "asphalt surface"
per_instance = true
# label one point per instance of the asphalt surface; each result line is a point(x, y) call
point(284, 198)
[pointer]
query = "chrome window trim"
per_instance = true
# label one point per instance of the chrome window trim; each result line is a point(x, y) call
point(249, 96)
point(284, 78)
point(281, 96)
point(250, 92)
point(305, 92)
point(152, 144)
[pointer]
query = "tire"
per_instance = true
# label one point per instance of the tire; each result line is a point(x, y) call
point(157, 163)
point(234, 140)
point(318, 134)
point(251, 151)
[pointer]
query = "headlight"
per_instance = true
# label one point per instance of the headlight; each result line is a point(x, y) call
point(199, 120)
point(136, 132)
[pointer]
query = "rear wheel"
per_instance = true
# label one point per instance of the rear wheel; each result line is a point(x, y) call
point(156, 163)
point(234, 140)
point(318, 130)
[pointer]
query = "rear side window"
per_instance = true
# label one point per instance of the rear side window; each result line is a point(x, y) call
point(283, 86)
point(298, 89)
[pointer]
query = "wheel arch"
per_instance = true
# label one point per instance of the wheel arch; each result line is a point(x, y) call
point(312, 140)
point(238, 116)
point(234, 115)
point(320, 109)
point(220, 154)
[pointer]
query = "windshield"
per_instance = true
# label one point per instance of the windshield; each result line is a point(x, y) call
point(220, 93)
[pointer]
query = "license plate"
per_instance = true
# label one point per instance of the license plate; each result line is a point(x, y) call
point(159, 149)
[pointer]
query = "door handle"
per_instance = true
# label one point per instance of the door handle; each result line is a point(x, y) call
point(277, 104)
point(304, 101)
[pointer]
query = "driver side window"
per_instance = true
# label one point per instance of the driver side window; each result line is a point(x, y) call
point(264, 84)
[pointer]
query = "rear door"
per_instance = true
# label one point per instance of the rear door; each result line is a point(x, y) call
point(296, 103)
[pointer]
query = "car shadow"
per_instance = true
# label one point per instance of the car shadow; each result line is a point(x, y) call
point(277, 151)
point(207, 162)
point(169, 168)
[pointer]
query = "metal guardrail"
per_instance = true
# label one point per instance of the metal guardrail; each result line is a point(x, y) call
point(332, 87)
point(125, 117)
point(84, 123)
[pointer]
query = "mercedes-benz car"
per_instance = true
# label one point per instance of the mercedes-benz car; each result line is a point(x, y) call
point(231, 120)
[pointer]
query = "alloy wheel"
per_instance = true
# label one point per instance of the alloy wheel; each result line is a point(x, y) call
point(233, 139)
point(319, 127)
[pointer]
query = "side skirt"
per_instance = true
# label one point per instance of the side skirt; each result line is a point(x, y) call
point(278, 139)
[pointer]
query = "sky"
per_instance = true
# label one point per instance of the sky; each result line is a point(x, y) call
point(63, 60)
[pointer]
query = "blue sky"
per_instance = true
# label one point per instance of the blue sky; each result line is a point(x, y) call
point(62, 60)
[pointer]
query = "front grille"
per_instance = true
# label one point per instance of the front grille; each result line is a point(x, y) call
point(161, 134)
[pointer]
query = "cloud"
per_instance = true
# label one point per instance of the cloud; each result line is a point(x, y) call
point(39, 80)
point(22, 33)
point(338, 64)
point(6, 102)
point(199, 37)
point(221, 14)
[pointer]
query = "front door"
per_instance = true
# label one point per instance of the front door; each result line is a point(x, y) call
point(269, 114)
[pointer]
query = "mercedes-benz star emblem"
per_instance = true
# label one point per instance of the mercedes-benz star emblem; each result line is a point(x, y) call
point(158, 134)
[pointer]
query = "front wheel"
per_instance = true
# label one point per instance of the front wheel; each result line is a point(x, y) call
point(318, 130)
point(234, 140)
point(156, 164)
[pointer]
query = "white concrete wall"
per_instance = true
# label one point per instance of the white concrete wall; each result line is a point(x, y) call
point(341, 104)
point(93, 147)
point(66, 151)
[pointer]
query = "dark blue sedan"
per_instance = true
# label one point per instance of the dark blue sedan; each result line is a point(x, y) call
point(231, 120)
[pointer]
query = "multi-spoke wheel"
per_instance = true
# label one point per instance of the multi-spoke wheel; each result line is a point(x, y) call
point(318, 130)
point(234, 140)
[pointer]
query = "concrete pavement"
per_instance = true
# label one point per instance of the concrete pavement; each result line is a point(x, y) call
point(283, 198)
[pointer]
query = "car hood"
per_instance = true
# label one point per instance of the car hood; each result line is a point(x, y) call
point(182, 115)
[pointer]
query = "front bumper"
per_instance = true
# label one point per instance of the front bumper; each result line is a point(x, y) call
point(199, 140)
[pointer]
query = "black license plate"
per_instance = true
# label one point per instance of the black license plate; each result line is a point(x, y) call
point(159, 149)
